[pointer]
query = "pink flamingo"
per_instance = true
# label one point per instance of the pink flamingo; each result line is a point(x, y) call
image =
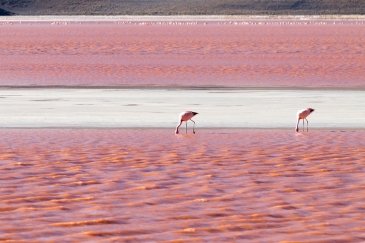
point(302, 115)
point(185, 117)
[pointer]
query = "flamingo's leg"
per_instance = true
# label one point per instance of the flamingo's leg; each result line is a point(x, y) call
point(186, 127)
point(193, 126)
point(307, 124)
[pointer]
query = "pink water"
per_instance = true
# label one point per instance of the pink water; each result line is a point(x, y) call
point(267, 55)
point(128, 185)
point(151, 185)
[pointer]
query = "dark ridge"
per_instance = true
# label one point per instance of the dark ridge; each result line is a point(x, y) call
point(3, 12)
point(182, 7)
point(298, 4)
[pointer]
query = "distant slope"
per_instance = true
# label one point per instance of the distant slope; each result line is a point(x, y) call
point(3, 12)
point(181, 7)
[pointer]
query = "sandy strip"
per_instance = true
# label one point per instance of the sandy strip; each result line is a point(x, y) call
point(337, 19)
point(159, 108)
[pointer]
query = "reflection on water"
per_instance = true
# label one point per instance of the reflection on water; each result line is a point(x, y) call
point(263, 108)
point(150, 185)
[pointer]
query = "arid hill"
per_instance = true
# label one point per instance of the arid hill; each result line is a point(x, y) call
point(180, 7)
point(3, 12)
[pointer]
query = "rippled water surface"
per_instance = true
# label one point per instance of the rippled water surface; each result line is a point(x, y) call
point(120, 183)
point(262, 54)
point(151, 185)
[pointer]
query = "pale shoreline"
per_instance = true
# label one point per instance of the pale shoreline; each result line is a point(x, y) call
point(328, 19)
point(116, 108)
point(182, 88)
point(205, 130)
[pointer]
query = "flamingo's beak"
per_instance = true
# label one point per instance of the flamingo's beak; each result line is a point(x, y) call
point(195, 113)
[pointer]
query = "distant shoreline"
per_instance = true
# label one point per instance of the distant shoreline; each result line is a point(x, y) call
point(172, 87)
point(184, 18)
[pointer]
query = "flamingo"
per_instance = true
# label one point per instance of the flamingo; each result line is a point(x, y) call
point(185, 117)
point(302, 115)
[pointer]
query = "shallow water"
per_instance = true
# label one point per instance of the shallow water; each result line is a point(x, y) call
point(150, 185)
point(264, 108)
point(133, 184)
point(266, 54)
